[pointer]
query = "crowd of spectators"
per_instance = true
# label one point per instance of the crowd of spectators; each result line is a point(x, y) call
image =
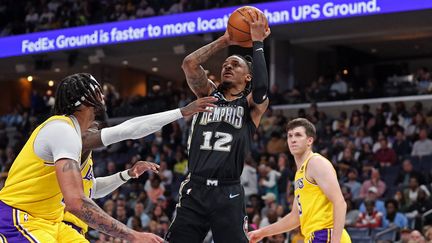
point(383, 159)
point(343, 87)
point(19, 17)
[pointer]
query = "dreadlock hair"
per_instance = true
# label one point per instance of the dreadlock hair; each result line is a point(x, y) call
point(248, 60)
point(77, 89)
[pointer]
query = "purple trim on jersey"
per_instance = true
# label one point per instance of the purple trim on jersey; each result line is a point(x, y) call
point(7, 227)
point(78, 229)
point(321, 236)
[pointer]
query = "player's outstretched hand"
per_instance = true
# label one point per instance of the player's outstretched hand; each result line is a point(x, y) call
point(147, 237)
point(142, 166)
point(199, 105)
point(255, 236)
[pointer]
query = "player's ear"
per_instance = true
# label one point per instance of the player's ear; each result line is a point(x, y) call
point(310, 141)
point(248, 77)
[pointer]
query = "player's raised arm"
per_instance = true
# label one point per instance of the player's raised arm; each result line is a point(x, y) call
point(287, 223)
point(258, 98)
point(322, 172)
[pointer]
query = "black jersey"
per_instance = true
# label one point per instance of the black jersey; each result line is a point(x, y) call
point(219, 141)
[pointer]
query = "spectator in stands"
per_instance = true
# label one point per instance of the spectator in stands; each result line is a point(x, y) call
point(31, 20)
point(276, 144)
point(269, 218)
point(416, 237)
point(154, 188)
point(352, 214)
point(424, 82)
point(371, 218)
point(418, 122)
point(165, 174)
point(339, 88)
point(257, 145)
point(401, 145)
point(375, 182)
point(372, 196)
point(353, 184)
point(393, 217)
point(249, 178)
point(362, 137)
point(385, 156)
point(285, 178)
point(270, 203)
point(144, 10)
point(422, 205)
point(121, 214)
point(268, 179)
point(345, 163)
point(140, 214)
point(427, 231)
point(403, 178)
point(422, 147)
point(414, 187)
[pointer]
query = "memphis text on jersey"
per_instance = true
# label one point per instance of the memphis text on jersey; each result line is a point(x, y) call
point(230, 114)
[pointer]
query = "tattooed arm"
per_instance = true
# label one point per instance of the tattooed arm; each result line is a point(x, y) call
point(70, 181)
point(195, 74)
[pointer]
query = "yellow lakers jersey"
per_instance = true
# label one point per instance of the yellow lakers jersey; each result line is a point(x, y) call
point(32, 185)
point(315, 210)
point(87, 177)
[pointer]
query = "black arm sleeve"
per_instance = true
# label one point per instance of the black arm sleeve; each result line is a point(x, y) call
point(259, 74)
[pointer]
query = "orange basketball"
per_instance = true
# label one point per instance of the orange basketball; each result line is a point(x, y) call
point(238, 28)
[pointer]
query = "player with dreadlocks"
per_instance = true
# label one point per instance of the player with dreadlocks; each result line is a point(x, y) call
point(45, 177)
point(211, 197)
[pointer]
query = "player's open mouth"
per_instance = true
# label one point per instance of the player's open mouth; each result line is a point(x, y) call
point(228, 74)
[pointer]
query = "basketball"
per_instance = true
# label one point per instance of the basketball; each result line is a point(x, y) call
point(238, 28)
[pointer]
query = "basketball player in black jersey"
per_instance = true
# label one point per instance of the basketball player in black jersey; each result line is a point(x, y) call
point(211, 197)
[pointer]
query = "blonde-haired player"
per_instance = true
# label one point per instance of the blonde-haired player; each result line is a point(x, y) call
point(319, 207)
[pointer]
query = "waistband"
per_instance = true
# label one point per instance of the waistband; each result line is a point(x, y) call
point(213, 181)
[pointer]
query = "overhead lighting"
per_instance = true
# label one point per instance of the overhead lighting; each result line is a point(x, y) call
point(125, 62)
point(154, 59)
point(50, 83)
point(373, 50)
point(155, 69)
point(57, 70)
point(345, 71)
point(30, 78)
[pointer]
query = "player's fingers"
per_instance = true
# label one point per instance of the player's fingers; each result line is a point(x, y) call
point(246, 20)
point(158, 239)
point(253, 17)
point(209, 105)
point(260, 17)
point(208, 99)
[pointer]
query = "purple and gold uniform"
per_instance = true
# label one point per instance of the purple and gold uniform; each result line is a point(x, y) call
point(315, 209)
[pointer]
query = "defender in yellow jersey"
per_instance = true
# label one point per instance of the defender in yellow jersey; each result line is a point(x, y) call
point(319, 207)
point(47, 171)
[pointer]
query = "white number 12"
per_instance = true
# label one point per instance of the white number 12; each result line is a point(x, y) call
point(221, 143)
